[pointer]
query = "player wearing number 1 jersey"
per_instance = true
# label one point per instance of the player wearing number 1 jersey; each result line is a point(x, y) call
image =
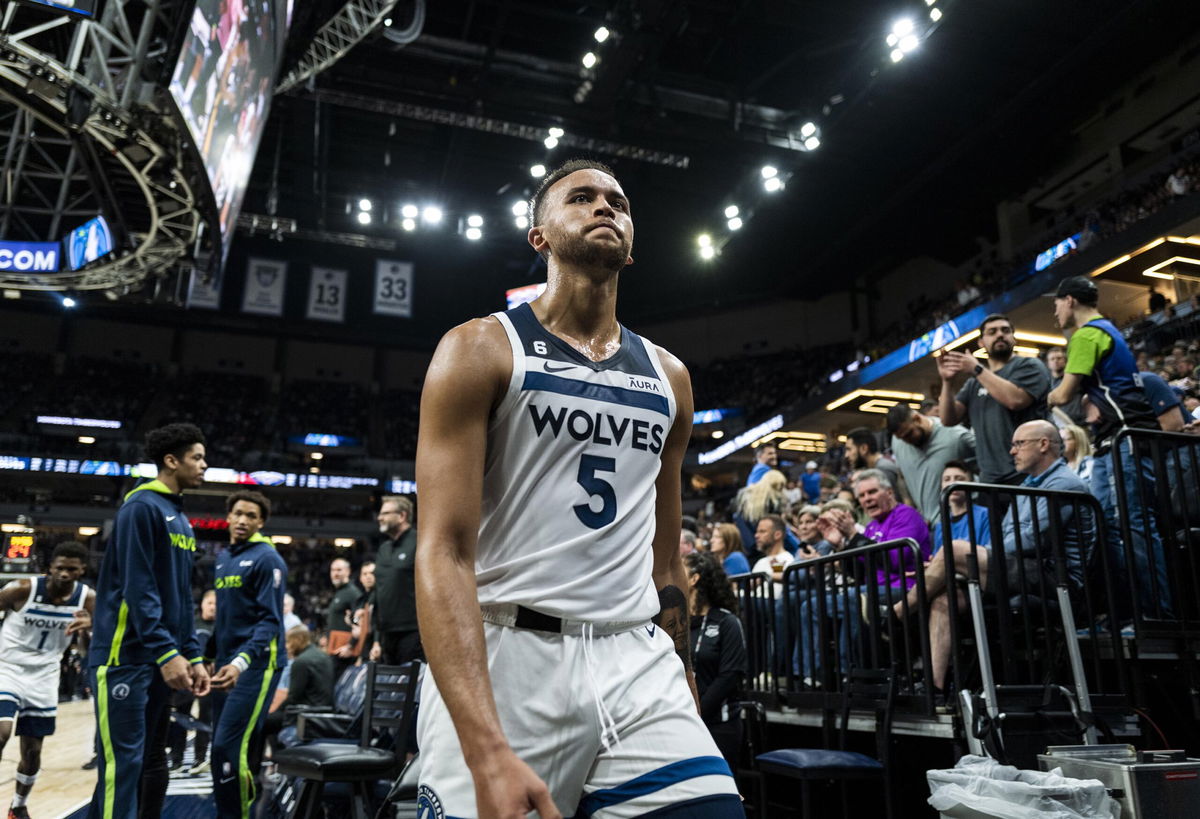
point(42, 614)
point(550, 592)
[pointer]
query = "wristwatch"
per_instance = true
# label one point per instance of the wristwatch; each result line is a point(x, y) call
point(978, 369)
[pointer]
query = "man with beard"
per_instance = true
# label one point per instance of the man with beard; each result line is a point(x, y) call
point(394, 609)
point(923, 446)
point(999, 396)
point(549, 461)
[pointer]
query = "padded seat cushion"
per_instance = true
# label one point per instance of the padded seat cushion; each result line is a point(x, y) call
point(335, 762)
point(801, 761)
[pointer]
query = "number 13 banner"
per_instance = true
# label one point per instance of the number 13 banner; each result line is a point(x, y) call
point(393, 288)
point(327, 294)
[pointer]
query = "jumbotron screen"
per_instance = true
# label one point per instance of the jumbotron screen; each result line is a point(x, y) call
point(223, 83)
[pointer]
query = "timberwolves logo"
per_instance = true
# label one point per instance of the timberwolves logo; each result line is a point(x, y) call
point(428, 804)
point(120, 691)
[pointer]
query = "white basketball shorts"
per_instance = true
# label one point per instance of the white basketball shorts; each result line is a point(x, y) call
point(556, 695)
point(29, 695)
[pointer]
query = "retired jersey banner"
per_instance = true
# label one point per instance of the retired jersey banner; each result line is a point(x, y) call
point(393, 288)
point(264, 287)
point(327, 294)
point(204, 291)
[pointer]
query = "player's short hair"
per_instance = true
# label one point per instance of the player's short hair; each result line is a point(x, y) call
point(538, 201)
point(250, 496)
point(863, 435)
point(70, 548)
point(403, 504)
point(994, 317)
point(173, 439)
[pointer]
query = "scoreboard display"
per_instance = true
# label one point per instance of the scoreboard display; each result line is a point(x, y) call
point(17, 555)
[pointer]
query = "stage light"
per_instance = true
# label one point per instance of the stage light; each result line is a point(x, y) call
point(718, 434)
point(432, 214)
point(317, 456)
point(537, 171)
point(86, 439)
point(364, 204)
point(708, 252)
point(704, 240)
point(550, 142)
point(808, 129)
point(731, 211)
point(773, 184)
point(812, 143)
point(735, 223)
point(897, 55)
point(409, 224)
point(68, 302)
point(410, 211)
point(930, 2)
point(601, 34)
point(935, 14)
point(474, 234)
point(556, 132)
point(769, 172)
point(909, 43)
point(88, 531)
point(387, 22)
point(474, 220)
point(902, 26)
point(589, 60)
point(520, 207)
point(364, 218)
point(522, 222)
point(892, 39)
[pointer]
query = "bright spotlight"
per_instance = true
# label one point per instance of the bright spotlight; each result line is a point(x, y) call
point(707, 252)
point(935, 14)
point(731, 211)
point(903, 26)
point(735, 223)
point(557, 133)
point(87, 439)
point(704, 240)
point(769, 171)
point(520, 207)
point(432, 214)
point(364, 218)
point(388, 22)
point(812, 143)
point(589, 60)
point(892, 39)
point(717, 434)
point(68, 302)
point(475, 220)
point(602, 33)
point(897, 55)
point(522, 222)
point(537, 171)
point(550, 142)
point(808, 129)
point(909, 43)
point(474, 234)
point(364, 204)
point(773, 184)
point(930, 2)
point(409, 224)
point(410, 211)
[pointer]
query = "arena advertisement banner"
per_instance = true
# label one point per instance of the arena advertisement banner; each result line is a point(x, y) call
point(204, 293)
point(265, 279)
point(393, 288)
point(327, 294)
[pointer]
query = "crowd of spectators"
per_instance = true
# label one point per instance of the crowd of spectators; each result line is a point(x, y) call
point(237, 405)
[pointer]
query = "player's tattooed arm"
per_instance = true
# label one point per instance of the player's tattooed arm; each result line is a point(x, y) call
point(672, 618)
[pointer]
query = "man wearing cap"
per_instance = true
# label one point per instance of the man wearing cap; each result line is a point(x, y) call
point(810, 480)
point(1100, 363)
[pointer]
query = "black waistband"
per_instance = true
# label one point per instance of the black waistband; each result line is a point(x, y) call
point(536, 621)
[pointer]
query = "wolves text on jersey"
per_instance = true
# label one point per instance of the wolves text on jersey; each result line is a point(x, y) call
point(599, 427)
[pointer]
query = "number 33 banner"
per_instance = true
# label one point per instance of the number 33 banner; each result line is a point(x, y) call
point(393, 288)
point(327, 294)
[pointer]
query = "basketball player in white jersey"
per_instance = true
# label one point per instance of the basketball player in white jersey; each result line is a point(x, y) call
point(41, 615)
point(550, 592)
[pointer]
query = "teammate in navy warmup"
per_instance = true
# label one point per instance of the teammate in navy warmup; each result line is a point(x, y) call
point(249, 650)
point(143, 642)
point(549, 460)
point(43, 614)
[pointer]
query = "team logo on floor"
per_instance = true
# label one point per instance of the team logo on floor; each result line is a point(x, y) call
point(429, 806)
point(120, 691)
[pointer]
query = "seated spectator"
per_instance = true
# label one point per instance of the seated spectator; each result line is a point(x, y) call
point(1037, 450)
point(811, 542)
point(753, 503)
point(769, 538)
point(687, 542)
point(726, 548)
point(1077, 450)
point(961, 523)
point(719, 651)
point(310, 682)
point(1164, 402)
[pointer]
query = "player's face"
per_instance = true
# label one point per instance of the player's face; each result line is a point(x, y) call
point(587, 221)
point(65, 570)
point(245, 520)
point(189, 469)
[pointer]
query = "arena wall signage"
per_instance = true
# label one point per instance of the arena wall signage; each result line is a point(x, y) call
point(923, 345)
point(214, 474)
point(266, 280)
point(393, 288)
point(753, 434)
point(327, 294)
point(64, 421)
point(84, 8)
point(30, 257)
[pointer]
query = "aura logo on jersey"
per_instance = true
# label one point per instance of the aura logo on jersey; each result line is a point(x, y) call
point(599, 427)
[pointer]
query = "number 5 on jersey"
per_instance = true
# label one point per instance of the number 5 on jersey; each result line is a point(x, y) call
point(595, 486)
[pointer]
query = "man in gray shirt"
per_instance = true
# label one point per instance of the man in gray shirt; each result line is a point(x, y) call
point(923, 446)
point(999, 396)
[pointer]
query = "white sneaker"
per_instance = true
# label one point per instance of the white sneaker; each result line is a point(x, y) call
point(200, 768)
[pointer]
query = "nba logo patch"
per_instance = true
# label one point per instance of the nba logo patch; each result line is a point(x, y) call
point(429, 806)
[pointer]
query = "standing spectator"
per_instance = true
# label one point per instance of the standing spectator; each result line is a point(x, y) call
point(811, 481)
point(753, 503)
point(1158, 302)
point(341, 606)
point(765, 459)
point(923, 446)
point(1056, 363)
point(362, 636)
point(718, 652)
point(1164, 402)
point(862, 452)
point(687, 542)
point(396, 635)
point(143, 641)
point(1100, 363)
point(726, 547)
point(997, 397)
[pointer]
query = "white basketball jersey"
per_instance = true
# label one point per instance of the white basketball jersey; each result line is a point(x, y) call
point(36, 633)
point(568, 490)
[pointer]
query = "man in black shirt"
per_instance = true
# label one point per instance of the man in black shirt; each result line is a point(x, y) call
point(311, 680)
point(338, 614)
point(394, 614)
